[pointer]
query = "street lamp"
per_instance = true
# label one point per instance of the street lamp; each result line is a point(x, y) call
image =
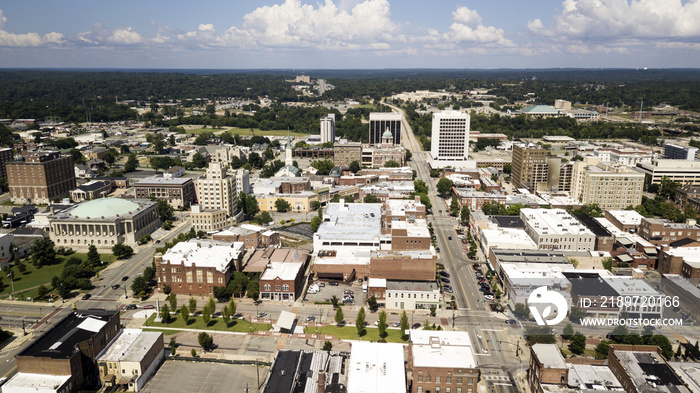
point(126, 296)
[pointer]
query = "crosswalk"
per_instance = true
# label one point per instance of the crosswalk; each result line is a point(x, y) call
point(496, 378)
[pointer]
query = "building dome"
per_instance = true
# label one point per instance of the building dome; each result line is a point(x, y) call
point(387, 134)
point(104, 207)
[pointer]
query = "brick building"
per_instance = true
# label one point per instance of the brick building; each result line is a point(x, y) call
point(179, 192)
point(441, 361)
point(662, 232)
point(6, 155)
point(345, 153)
point(283, 278)
point(63, 359)
point(41, 177)
point(195, 267)
point(252, 236)
point(547, 366)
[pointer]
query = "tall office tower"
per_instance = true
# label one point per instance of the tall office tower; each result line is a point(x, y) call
point(41, 177)
point(529, 167)
point(216, 190)
point(328, 128)
point(450, 138)
point(379, 122)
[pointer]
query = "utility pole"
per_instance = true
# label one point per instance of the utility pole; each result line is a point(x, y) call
point(257, 371)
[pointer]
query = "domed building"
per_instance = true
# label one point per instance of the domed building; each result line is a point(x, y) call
point(104, 222)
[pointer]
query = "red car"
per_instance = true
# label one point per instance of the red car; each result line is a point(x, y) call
point(149, 307)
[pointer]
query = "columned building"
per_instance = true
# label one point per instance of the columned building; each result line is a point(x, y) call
point(379, 122)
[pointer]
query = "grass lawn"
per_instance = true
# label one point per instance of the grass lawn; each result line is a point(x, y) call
point(236, 325)
point(33, 277)
point(350, 333)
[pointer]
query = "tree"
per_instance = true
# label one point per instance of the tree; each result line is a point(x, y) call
point(607, 263)
point(282, 205)
point(425, 200)
point(382, 325)
point(354, 167)
point(420, 187)
point(172, 299)
point(444, 186)
point(226, 314)
point(577, 343)
point(42, 253)
point(690, 211)
point(206, 315)
point(619, 333)
point(568, 331)
point(433, 309)
point(255, 160)
point(165, 313)
point(206, 341)
point(248, 204)
point(327, 346)
point(185, 313)
point(404, 325)
point(464, 215)
point(521, 311)
point(263, 218)
point(315, 223)
point(139, 285)
point(43, 291)
point(360, 322)
point(391, 164)
point(93, 257)
point(323, 167)
point(602, 349)
point(192, 305)
point(454, 207)
point(372, 303)
point(238, 283)
point(577, 314)
point(193, 352)
point(167, 289)
point(211, 304)
point(315, 205)
point(164, 209)
point(232, 308)
point(131, 163)
point(334, 301)
point(221, 294)
point(121, 251)
point(369, 198)
point(339, 317)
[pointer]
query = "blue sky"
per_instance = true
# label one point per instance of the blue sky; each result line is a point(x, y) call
point(350, 34)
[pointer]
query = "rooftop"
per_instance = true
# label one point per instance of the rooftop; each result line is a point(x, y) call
point(202, 253)
point(423, 286)
point(361, 221)
point(593, 225)
point(549, 355)
point(93, 185)
point(106, 208)
point(589, 284)
point(282, 270)
point(61, 341)
point(35, 382)
point(626, 217)
point(534, 256)
point(432, 348)
point(540, 109)
point(628, 286)
point(553, 222)
point(131, 345)
point(163, 181)
point(649, 372)
point(508, 238)
point(376, 367)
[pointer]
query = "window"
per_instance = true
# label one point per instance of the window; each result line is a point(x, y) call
point(285, 288)
point(459, 380)
point(420, 389)
point(437, 379)
point(420, 378)
point(459, 390)
point(448, 379)
point(437, 389)
point(448, 390)
point(267, 287)
point(470, 381)
point(427, 378)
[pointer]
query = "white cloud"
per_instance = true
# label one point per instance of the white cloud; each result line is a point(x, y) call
point(467, 16)
point(101, 35)
point(466, 29)
point(26, 39)
point(614, 19)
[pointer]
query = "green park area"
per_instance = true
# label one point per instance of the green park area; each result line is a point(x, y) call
point(195, 322)
point(350, 333)
point(26, 284)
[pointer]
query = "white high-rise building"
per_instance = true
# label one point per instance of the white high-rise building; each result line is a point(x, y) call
point(328, 128)
point(450, 139)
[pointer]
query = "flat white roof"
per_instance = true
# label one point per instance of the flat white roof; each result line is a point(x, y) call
point(549, 355)
point(35, 383)
point(203, 253)
point(516, 238)
point(689, 254)
point(419, 228)
point(627, 217)
point(535, 270)
point(131, 345)
point(361, 221)
point(376, 282)
point(553, 222)
point(631, 286)
point(283, 270)
point(376, 368)
point(384, 116)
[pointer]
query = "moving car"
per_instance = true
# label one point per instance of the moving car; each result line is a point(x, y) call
point(149, 307)
point(131, 307)
point(87, 296)
point(261, 314)
point(310, 318)
point(333, 283)
point(125, 278)
point(115, 286)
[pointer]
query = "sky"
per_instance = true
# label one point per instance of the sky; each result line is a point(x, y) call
point(350, 34)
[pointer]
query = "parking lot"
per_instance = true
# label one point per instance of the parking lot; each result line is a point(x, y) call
point(326, 292)
point(179, 376)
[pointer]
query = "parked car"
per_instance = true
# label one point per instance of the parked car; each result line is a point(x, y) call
point(333, 283)
point(348, 300)
point(310, 318)
point(131, 307)
point(448, 289)
point(348, 292)
point(416, 325)
point(445, 280)
point(437, 249)
point(87, 296)
point(149, 307)
point(321, 284)
point(511, 321)
point(262, 314)
point(444, 273)
point(488, 297)
point(397, 324)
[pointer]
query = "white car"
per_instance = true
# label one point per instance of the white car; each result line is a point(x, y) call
point(488, 297)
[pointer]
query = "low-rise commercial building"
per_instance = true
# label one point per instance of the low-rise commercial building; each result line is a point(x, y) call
point(91, 190)
point(624, 220)
point(131, 359)
point(555, 229)
point(308, 371)
point(179, 192)
point(682, 171)
point(195, 267)
point(642, 369)
point(209, 221)
point(412, 295)
point(283, 278)
point(376, 368)
point(662, 232)
point(441, 361)
point(252, 236)
point(299, 202)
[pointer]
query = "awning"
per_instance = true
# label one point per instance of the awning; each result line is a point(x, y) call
point(650, 250)
point(624, 258)
point(624, 241)
point(285, 321)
